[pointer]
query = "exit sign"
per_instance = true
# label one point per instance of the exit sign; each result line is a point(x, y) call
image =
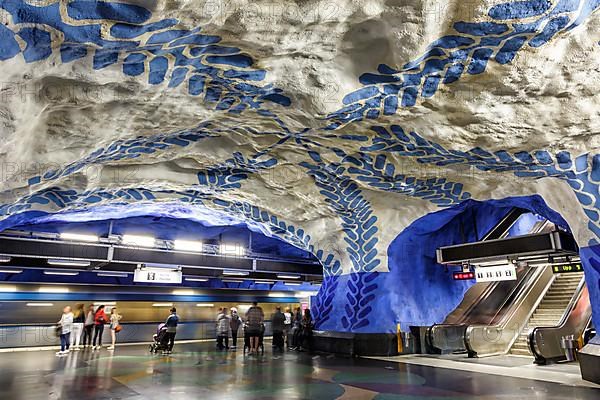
point(567, 268)
point(495, 274)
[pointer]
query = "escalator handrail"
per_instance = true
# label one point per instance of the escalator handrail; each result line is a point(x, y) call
point(575, 299)
point(534, 289)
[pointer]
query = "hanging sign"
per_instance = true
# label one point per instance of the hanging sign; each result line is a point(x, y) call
point(495, 274)
point(157, 275)
point(567, 268)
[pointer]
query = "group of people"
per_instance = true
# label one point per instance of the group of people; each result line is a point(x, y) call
point(72, 326)
point(298, 325)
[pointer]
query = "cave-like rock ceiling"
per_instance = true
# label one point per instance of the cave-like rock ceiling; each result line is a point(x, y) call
point(330, 124)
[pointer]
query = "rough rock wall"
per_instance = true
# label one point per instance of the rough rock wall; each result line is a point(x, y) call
point(331, 125)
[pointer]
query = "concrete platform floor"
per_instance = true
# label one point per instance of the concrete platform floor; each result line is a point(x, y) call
point(197, 371)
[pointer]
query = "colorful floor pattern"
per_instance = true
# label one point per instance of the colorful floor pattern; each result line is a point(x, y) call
point(198, 372)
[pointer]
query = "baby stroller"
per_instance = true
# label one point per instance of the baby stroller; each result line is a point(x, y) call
point(261, 337)
point(160, 339)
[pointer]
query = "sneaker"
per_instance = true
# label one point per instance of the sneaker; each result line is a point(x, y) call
point(60, 353)
point(110, 348)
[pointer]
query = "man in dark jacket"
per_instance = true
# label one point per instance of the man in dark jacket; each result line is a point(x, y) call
point(278, 325)
point(171, 324)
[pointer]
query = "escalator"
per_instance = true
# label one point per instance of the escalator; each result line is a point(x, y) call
point(544, 339)
point(484, 302)
point(551, 310)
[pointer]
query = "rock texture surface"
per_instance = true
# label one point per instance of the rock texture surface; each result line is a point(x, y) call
point(331, 125)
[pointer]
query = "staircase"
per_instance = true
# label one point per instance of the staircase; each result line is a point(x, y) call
point(550, 310)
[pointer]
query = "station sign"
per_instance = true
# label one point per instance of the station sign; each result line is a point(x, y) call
point(157, 275)
point(496, 274)
point(567, 268)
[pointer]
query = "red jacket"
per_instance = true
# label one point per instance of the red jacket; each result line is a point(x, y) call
point(100, 317)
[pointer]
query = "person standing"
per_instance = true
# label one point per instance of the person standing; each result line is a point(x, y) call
point(88, 326)
point(234, 324)
point(78, 320)
point(66, 326)
point(99, 321)
point(278, 326)
point(254, 319)
point(296, 328)
point(171, 324)
point(287, 326)
point(115, 326)
point(223, 328)
point(306, 330)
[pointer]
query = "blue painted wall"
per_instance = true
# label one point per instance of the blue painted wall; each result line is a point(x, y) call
point(418, 290)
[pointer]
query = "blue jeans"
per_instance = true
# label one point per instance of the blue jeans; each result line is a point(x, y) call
point(65, 341)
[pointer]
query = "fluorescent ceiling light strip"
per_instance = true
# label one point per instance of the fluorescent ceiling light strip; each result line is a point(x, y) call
point(113, 274)
point(278, 295)
point(162, 305)
point(65, 273)
point(70, 263)
point(183, 292)
point(292, 284)
point(5, 259)
point(10, 271)
point(40, 304)
point(79, 237)
point(99, 303)
point(236, 273)
point(283, 276)
point(4, 288)
point(265, 282)
point(204, 305)
point(46, 289)
point(188, 245)
point(197, 279)
point(136, 240)
point(232, 281)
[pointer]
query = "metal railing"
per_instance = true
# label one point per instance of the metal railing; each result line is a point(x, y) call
point(488, 340)
point(545, 342)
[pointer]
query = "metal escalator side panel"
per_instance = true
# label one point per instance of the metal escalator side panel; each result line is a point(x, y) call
point(501, 229)
point(489, 340)
point(545, 342)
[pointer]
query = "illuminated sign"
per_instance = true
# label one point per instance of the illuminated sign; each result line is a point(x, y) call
point(494, 274)
point(157, 275)
point(463, 276)
point(567, 268)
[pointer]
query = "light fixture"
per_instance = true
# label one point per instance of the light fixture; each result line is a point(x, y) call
point(305, 294)
point(65, 273)
point(112, 275)
point(277, 295)
point(292, 284)
point(232, 281)
point(79, 237)
point(204, 305)
point(236, 273)
point(196, 279)
point(283, 276)
point(264, 282)
point(4, 288)
point(99, 303)
point(69, 263)
point(135, 240)
point(5, 259)
point(10, 271)
point(188, 245)
point(48, 289)
point(183, 292)
point(40, 304)
point(232, 249)
point(162, 305)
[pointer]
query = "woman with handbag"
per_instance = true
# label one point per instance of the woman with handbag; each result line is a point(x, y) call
point(115, 326)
